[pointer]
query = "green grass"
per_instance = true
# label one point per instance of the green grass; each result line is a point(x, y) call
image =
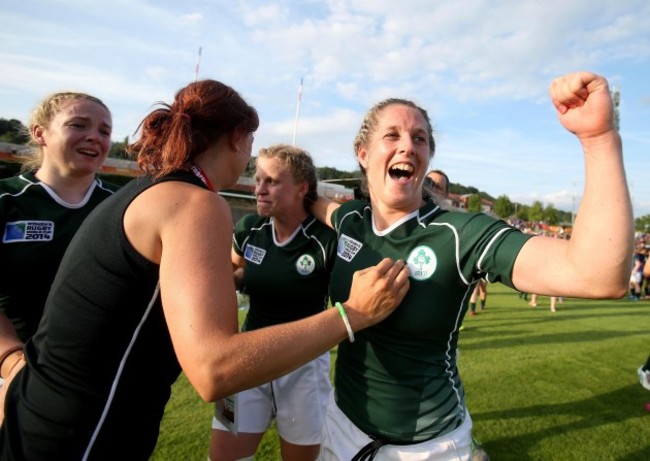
point(540, 386)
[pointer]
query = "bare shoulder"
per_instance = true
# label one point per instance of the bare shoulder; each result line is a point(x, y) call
point(170, 209)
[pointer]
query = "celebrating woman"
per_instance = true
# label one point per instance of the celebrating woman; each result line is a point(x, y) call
point(398, 392)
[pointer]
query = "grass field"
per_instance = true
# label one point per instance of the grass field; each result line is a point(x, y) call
point(540, 385)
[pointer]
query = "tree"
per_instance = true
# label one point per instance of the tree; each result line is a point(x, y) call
point(551, 215)
point(249, 171)
point(118, 150)
point(13, 131)
point(474, 203)
point(536, 211)
point(503, 207)
point(459, 189)
point(326, 172)
point(522, 212)
point(642, 223)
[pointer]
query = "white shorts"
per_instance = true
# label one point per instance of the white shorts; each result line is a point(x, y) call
point(636, 277)
point(342, 440)
point(297, 401)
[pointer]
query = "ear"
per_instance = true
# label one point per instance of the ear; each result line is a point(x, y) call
point(302, 189)
point(233, 140)
point(37, 133)
point(362, 157)
point(237, 139)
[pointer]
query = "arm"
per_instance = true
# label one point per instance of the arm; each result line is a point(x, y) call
point(595, 262)
point(238, 263)
point(8, 341)
point(13, 359)
point(323, 208)
point(198, 296)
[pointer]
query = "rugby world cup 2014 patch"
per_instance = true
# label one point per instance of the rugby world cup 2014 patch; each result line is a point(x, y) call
point(28, 231)
point(347, 247)
point(254, 254)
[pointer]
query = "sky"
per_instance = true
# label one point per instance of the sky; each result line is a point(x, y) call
point(481, 68)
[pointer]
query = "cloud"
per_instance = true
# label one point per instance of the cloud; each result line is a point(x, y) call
point(354, 42)
point(328, 138)
point(481, 70)
point(265, 14)
point(155, 72)
point(190, 19)
point(563, 200)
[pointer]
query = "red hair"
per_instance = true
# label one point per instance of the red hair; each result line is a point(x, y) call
point(203, 111)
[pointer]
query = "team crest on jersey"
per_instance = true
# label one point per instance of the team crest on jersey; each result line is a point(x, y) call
point(28, 231)
point(254, 254)
point(422, 263)
point(347, 248)
point(305, 264)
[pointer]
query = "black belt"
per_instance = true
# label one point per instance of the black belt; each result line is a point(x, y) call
point(368, 452)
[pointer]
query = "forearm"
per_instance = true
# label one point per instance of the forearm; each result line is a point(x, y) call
point(8, 336)
point(252, 358)
point(10, 346)
point(218, 361)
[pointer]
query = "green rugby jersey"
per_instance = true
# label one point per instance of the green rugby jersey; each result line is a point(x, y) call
point(37, 226)
point(399, 379)
point(285, 281)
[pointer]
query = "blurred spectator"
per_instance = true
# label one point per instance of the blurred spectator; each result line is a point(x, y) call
point(636, 277)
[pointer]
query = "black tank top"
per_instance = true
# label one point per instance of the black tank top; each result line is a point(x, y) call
point(101, 364)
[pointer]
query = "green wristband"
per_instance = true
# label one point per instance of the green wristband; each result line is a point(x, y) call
point(346, 321)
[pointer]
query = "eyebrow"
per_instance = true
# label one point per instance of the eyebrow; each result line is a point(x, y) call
point(86, 118)
point(395, 127)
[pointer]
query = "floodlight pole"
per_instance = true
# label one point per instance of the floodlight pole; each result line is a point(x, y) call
point(295, 123)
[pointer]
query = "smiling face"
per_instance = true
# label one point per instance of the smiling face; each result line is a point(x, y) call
point(395, 158)
point(77, 139)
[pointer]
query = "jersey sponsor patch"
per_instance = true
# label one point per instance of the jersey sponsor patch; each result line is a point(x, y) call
point(347, 248)
point(254, 254)
point(422, 263)
point(28, 231)
point(305, 264)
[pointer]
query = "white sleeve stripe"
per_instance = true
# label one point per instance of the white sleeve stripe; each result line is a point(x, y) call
point(489, 245)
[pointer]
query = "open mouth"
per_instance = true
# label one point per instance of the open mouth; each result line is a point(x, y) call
point(401, 171)
point(88, 153)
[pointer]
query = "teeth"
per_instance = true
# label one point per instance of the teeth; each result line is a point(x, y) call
point(403, 167)
point(401, 171)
